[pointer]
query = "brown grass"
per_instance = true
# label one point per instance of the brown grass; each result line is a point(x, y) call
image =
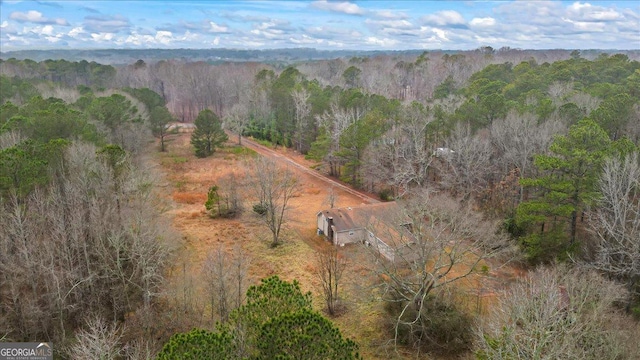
point(189, 197)
point(191, 180)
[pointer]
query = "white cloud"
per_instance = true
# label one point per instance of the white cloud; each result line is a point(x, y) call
point(47, 30)
point(164, 37)
point(53, 39)
point(76, 31)
point(102, 37)
point(139, 39)
point(305, 40)
point(4, 24)
point(587, 26)
point(380, 42)
point(483, 22)
point(390, 14)
point(588, 12)
point(441, 34)
point(106, 24)
point(396, 24)
point(339, 7)
point(215, 28)
point(216, 41)
point(161, 37)
point(444, 18)
point(36, 17)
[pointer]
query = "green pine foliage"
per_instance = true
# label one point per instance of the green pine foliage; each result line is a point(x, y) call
point(220, 204)
point(208, 134)
point(22, 168)
point(200, 344)
point(304, 334)
point(277, 322)
point(112, 111)
point(565, 188)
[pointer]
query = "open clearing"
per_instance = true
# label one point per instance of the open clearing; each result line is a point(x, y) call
point(189, 179)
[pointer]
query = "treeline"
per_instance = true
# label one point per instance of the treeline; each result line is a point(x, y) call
point(189, 86)
point(82, 246)
point(549, 147)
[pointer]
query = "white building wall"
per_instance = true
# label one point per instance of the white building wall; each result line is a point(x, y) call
point(348, 237)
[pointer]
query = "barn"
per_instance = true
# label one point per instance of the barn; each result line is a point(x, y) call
point(354, 224)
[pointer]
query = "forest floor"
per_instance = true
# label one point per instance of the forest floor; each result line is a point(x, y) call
point(188, 180)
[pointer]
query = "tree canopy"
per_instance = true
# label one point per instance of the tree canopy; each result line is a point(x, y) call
point(277, 322)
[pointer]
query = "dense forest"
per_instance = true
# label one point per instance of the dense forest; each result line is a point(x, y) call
point(544, 145)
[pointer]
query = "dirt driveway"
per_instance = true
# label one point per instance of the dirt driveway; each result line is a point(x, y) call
point(188, 180)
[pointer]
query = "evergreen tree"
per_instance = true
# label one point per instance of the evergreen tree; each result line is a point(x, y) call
point(208, 134)
point(199, 344)
point(159, 120)
point(566, 186)
point(277, 322)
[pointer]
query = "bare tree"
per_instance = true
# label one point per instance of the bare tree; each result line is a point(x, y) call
point(616, 221)
point(585, 102)
point(332, 198)
point(467, 165)
point(224, 200)
point(98, 340)
point(70, 249)
point(226, 280)
point(303, 108)
point(431, 243)
point(216, 276)
point(401, 159)
point(329, 268)
point(141, 349)
point(558, 90)
point(9, 139)
point(559, 313)
point(518, 137)
point(273, 188)
point(335, 122)
point(632, 130)
point(237, 120)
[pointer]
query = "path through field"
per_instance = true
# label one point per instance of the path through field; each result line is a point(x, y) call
point(189, 179)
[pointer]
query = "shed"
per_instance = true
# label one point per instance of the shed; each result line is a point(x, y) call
point(349, 225)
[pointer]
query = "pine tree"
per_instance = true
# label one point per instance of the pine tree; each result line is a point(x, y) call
point(566, 186)
point(208, 134)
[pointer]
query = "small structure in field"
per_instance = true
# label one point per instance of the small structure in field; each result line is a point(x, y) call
point(367, 224)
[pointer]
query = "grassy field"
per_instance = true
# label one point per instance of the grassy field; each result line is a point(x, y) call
point(190, 179)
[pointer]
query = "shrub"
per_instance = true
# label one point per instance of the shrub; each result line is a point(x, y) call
point(386, 194)
point(260, 208)
point(223, 204)
point(442, 327)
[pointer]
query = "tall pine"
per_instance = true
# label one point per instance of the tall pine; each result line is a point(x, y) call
point(208, 134)
point(562, 191)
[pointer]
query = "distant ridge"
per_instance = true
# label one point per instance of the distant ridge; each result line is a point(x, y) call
point(282, 56)
point(128, 56)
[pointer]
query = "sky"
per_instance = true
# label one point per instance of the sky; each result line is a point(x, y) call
point(322, 24)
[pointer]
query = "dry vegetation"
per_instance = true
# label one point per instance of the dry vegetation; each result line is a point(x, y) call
point(187, 181)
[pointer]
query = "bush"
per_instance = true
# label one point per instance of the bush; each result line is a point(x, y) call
point(386, 194)
point(260, 208)
point(441, 329)
point(224, 205)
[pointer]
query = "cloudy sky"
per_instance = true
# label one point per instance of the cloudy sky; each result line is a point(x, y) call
point(368, 25)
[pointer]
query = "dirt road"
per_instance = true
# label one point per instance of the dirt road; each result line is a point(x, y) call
point(294, 163)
